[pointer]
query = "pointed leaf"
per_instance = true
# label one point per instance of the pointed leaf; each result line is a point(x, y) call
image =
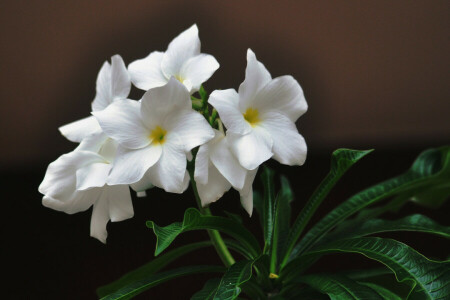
point(269, 200)
point(150, 281)
point(208, 291)
point(430, 277)
point(236, 275)
point(431, 168)
point(150, 268)
point(193, 220)
point(341, 161)
point(339, 287)
point(383, 292)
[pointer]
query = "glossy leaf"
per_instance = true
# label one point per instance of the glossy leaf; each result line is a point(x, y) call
point(150, 281)
point(339, 287)
point(268, 206)
point(150, 268)
point(237, 274)
point(193, 220)
point(428, 276)
point(208, 291)
point(382, 291)
point(431, 168)
point(282, 219)
point(415, 222)
point(341, 161)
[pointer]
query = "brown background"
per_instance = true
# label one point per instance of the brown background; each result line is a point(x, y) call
point(375, 75)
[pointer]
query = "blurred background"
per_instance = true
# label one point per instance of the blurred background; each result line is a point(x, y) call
point(375, 75)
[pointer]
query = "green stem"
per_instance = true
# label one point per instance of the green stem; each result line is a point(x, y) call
point(214, 235)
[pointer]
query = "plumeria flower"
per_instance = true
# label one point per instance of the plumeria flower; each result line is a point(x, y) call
point(113, 83)
point(77, 181)
point(217, 170)
point(154, 137)
point(260, 119)
point(182, 60)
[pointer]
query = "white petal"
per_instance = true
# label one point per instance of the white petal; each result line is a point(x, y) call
point(183, 47)
point(251, 149)
point(226, 103)
point(214, 189)
point(141, 186)
point(103, 96)
point(283, 95)
point(120, 79)
point(146, 73)
point(93, 142)
point(92, 175)
point(78, 130)
point(198, 69)
point(60, 179)
point(190, 126)
point(256, 77)
point(186, 181)
point(247, 192)
point(100, 217)
point(169, 172)
point(289, 147)
point(122, 121)
point(77, 202)
point(202, 165)
point(226, 163)
point(120, 205)
point(158, 102)
point(130, 165)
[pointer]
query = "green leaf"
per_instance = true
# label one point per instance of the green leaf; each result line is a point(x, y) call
point(258, 204)
point(430, 277)
point(208, 291)
point(341, 161)
point(383, 292)
point(281, 223)
point(431, 168)
point(193, 220)
point(269, 200)
point(233, 216)
point(236, 275)
point(433, 197)
point(417, 222)
point(150, 268)
point(340, 287)
point(150, 281)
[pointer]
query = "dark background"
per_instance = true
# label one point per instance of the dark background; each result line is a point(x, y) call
point(375, 75)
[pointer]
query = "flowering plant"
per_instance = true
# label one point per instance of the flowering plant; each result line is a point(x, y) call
point(177, 135)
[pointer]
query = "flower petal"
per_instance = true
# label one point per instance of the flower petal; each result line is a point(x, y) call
point(122, 121)
point(120, 79)
point(169, 172)
point(226, 102)
point(79, 201)
point(130, 165)
point(256, 77)
point(289, 147)
point(197, 70)
point(100, 217)
point(93, 142)
point(158, 102)
point(103, 96)
point(92, 175)
point(214, 189)
point(202, 165)
point(283, 95)
point(60, 179)
point(247, 192)
point(146, 73)
point(183, 47)
point(226, 163)
point(78, 130)
point(120, 204)
point(191, 126)
point(251, 149)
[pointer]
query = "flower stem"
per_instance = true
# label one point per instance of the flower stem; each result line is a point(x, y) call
point(214, 235)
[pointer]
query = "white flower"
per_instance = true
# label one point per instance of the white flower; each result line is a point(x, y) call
point(217, 170)
point(260, 120)
point(77, 181)
point(113, 83)
point(182, 60)
point(154, 136)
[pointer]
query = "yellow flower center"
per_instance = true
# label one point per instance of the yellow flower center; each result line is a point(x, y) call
point(179, 78)
point(252, 116)
point(158, 135)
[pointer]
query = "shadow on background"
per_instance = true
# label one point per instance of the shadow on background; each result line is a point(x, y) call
point(375, 75)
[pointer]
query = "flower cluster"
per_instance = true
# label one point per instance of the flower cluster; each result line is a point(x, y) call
point(146, 143)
